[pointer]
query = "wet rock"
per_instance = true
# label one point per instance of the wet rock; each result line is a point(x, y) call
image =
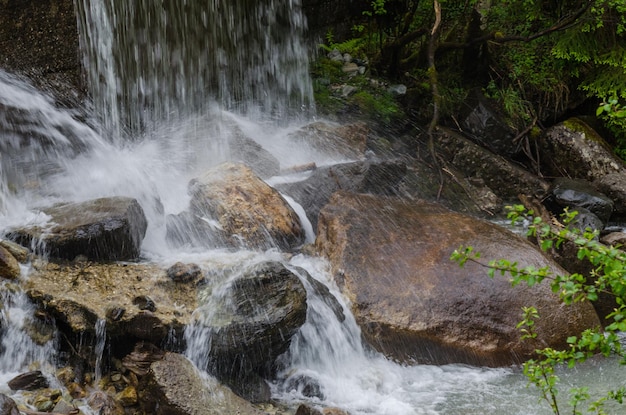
point(485, 122)
point(307, 410)
point(100, 291)
point(613, 185)
point(8, 406)
point(306, 386)
point(502, 177)
point(46, 399)
point(28, 381)
point(247, 151)
point(254, 323)
point(376, 177)
point(577, 193)
point(101, 229)
point(340, 141)
point(18, 251)
point(127, 397)
point(416, 305)
point(180, 272)
point(573, 149)
point(143, 302)
point(230, 206)
point(173, 386)
point(140, 359)
point(104, 404)
point(9, 267)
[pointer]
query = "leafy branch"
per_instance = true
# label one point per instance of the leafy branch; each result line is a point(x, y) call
point(608, 276)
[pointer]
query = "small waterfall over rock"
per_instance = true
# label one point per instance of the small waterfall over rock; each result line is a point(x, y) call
point(149, 62)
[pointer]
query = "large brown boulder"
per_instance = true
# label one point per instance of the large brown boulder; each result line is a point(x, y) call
point(391, 258)
point(102, 229)
point(231, 206)
point(174, 386)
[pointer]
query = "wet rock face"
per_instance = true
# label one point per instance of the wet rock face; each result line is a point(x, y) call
point(230, 206)
point(78, 295)
point(504, 178)
point(374, 177)
point(173, 386)
point(254, 323)
point(8, 406)
point(9, 267)
point(573, 194)
point(573, 149)
point(39, 38)
point(101, 229)
point(487, 125)
point(391, 259)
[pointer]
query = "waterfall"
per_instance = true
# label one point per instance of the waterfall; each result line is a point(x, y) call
point(148, 62)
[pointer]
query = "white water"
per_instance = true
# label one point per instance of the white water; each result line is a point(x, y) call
point(166, 131)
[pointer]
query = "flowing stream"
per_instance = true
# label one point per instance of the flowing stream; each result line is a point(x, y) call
point(169, 81)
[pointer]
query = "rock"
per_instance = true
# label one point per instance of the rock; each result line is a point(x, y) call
point(8, 406)
point(18, 251)
point(397, 90)
point(180, 272)
point(104, 404)
point(613, 185)
point(101, 229)
point(173, 386)
point(376, 177)
point(101, 291)
point(304, 409)
point(252, 324)
point(40, 40)
point(575, 150)
point(143, 302)
point(230, 206)
point(504, 178)
point(140, 359)
point(341, 142)
point(245, 150)
point(9, 267)
point(487, 125)
point(391, 258)
point(577, 193)
point(614, 239)
point(127, 396)
point(28, 381)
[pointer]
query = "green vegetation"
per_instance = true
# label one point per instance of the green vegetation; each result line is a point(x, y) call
point(537, 58)
point(608, 277)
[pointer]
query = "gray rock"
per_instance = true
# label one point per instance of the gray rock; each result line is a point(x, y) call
point(577, 193)
point(253, 323)
point(573, 149)
point(487, 125)
point(376, 177)
point(614, 186)
point(173, 386)
point(101, 229)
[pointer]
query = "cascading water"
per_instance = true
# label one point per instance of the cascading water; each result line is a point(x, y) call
point(150, 62)
point(161, 74)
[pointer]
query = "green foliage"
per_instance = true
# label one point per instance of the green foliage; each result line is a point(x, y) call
point(614, 115)
point(608, 276)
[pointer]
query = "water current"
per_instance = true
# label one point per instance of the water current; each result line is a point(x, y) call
point(158, 127)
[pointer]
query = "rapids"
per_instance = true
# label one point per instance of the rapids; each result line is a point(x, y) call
point(168, 86)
